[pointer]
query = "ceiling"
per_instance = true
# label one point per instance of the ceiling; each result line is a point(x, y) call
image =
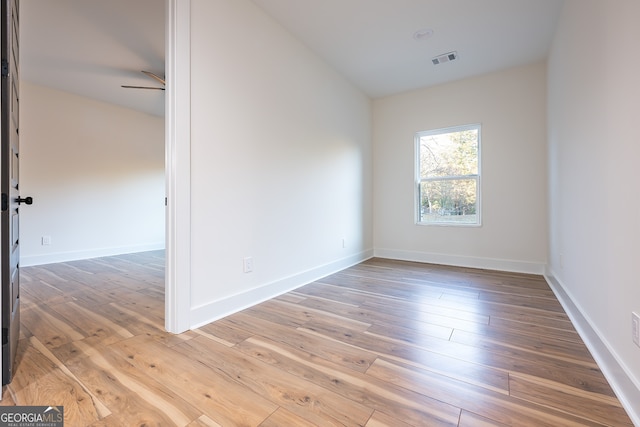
point(371, 41)
point(91, 47)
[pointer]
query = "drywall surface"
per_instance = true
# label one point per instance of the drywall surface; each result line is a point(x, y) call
point(96, 174)
point(280, 161)
point(510, 105)
point(594, 175)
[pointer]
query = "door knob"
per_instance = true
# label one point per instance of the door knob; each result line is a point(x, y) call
point(26, 200)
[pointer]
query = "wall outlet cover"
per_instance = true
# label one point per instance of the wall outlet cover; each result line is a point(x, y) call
point(247, 264)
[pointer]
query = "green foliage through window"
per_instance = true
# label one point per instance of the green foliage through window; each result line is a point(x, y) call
point(448, 175)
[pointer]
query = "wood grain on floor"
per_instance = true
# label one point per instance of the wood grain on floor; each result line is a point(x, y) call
point(383, 343)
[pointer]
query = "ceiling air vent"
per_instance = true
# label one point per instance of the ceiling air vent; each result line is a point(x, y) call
point(445, 57)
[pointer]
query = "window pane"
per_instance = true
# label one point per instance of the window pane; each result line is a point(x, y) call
point(449, 201)
point(449, 154)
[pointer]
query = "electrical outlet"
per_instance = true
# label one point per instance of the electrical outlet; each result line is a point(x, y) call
point(635, 328)
point(247, 264)
point(344, 243)
point(46, 240)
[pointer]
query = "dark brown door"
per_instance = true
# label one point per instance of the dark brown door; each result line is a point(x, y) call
point(11, 201)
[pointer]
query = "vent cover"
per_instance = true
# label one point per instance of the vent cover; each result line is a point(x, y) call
point(445, 57)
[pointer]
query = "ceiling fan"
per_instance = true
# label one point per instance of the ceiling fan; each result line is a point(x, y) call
point(153, 76)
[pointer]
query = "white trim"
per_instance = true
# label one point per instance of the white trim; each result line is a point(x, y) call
point(623, 383)
point(515, 266)
point(178, 165)
point(215, 310)
point(51, 258)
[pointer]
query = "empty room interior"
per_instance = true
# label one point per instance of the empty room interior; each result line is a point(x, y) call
point(264, 242)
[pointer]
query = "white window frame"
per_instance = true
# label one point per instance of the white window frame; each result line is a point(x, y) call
point(419, 180)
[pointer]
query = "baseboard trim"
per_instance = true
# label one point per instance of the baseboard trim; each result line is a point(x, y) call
point(463, 261)
point(215, 310)
point(51, 258)
point(621, 381)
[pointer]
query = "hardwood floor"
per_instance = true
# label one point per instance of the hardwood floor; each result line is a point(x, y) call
point(384, 343)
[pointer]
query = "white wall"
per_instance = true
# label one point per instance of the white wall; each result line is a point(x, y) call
point(511, 107)
point(96, 173)
point(594, 212)
point(280, 161)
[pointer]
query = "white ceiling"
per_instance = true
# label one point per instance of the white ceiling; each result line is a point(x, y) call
point(371, 41)
point(91, 47)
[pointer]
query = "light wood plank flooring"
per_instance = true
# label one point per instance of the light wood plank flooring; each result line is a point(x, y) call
point(384, 343)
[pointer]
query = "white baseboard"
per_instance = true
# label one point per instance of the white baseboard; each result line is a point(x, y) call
point(215, 310)
point(463, 261)
point(621, 380)
point(50, 258)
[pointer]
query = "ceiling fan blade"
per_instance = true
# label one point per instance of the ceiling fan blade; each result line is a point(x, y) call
point(154, 76)
point(142, 87)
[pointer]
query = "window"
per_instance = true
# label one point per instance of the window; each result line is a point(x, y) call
point(448, 176)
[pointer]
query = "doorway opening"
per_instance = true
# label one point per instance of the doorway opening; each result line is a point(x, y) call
point(93, 152)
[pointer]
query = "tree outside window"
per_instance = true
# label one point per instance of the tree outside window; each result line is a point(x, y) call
point(448, 176)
